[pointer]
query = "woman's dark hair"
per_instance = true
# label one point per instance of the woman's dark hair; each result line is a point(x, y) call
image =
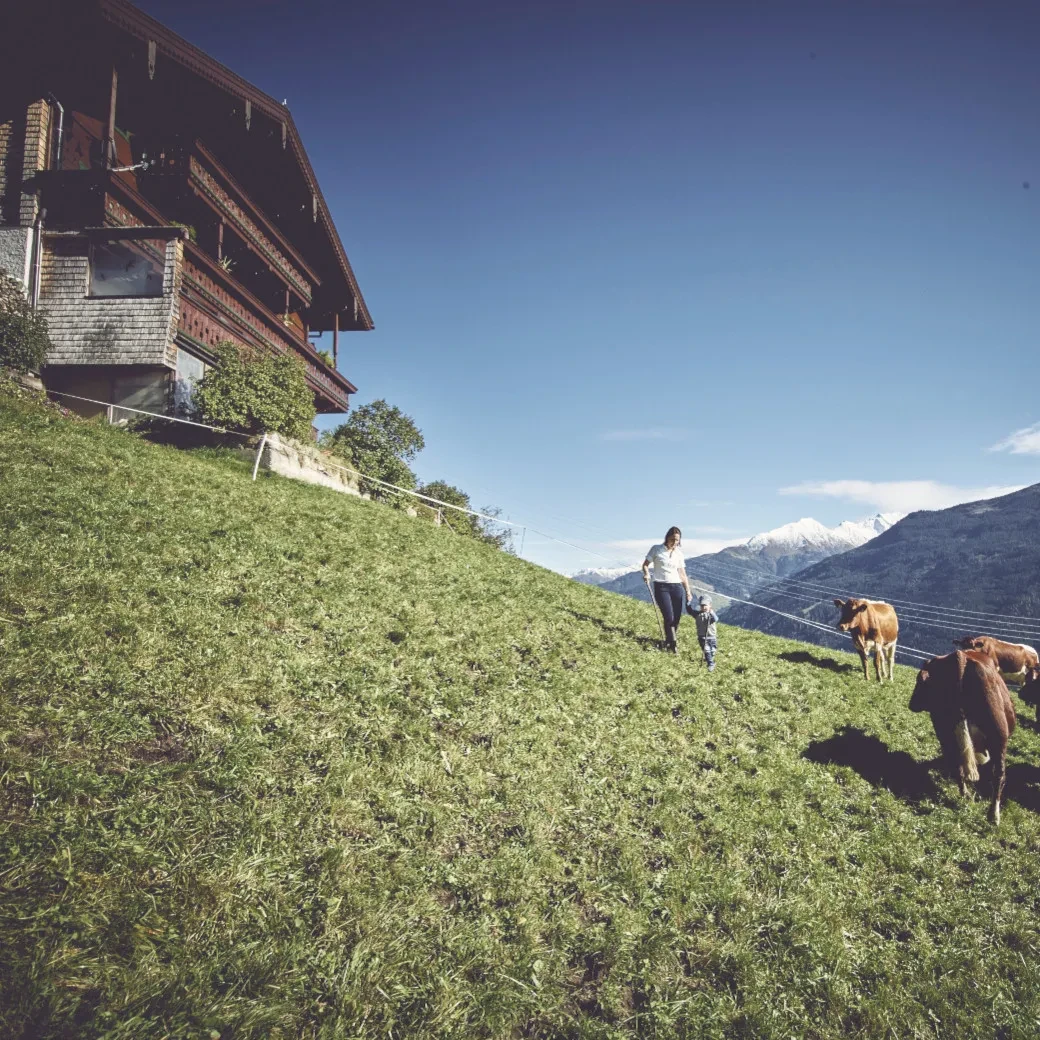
point(671, 531)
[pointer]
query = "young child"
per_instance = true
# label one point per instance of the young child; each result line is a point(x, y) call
point(707, 634)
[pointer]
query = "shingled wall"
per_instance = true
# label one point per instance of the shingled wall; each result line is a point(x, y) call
point(87, 330)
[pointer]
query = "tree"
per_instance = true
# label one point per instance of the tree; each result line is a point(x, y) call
point(465, 523)
point(24, 341)
point(379, 440)
point(256, 392)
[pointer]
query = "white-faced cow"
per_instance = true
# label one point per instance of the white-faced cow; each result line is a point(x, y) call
point(874, 628)
point(1013, 660)
point(971, 714)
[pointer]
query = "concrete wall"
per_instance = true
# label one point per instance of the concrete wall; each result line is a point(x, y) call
point(115, 330)
point(305, 462)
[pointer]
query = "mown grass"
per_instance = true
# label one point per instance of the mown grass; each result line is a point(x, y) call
point(282, 763)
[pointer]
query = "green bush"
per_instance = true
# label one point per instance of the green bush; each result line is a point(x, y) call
point(254, 392)
point(23, 332)
point(465, 523)
point(380, 441)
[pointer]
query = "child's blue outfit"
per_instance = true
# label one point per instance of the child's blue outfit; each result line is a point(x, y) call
point(707, 635)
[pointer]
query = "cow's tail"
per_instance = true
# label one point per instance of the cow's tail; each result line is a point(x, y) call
point(966, 751)
point(978, 739)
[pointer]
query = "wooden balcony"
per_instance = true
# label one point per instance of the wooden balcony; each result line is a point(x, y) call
point(215, 307)
point(230, 207)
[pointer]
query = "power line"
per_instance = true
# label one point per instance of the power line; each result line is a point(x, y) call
point(394, 488)
point(957, 625)
point(923, 606)
point(908, 650)
point(924, 615)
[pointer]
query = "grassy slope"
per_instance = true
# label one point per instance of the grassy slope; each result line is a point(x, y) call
point(283, 763)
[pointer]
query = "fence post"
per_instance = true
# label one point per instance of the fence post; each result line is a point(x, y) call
point(523, 536)
point(259, 454)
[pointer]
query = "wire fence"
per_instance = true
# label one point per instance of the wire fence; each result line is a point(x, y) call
point(505, 533)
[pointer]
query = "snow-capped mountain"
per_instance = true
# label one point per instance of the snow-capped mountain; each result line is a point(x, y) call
point(740, 569)
point(808, 533)
point(977, 556)
point(599, 575)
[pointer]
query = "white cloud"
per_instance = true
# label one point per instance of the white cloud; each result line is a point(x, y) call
point(1022, 442)
point(653, 434)
point(897, 496)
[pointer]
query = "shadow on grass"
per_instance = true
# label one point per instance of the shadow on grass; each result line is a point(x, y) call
point(643, 641)
point(876, 762)
point(1023, 785)
point(804, 657)
point(909, 779)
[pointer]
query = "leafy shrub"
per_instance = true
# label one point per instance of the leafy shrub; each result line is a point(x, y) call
point(380, 441)
point(24, 341)
point(255, 392)
point(463, 523)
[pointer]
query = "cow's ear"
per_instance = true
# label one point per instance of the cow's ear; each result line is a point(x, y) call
point(860, 606)
point(839, 603)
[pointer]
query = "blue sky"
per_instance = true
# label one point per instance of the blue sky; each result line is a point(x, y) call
point(720, 265)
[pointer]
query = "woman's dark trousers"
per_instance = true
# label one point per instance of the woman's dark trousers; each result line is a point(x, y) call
point(670, 597)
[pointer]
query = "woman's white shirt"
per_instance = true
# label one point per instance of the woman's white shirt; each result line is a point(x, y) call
point(669, 564)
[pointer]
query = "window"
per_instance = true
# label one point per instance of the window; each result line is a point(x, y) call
point(189, 371)
point(126, 269)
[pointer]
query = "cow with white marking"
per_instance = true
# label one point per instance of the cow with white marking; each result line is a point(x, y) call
point(874, 628)
point(1013, 660)
point(972, 716)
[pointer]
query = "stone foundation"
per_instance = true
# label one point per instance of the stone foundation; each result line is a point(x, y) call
point(304, 462)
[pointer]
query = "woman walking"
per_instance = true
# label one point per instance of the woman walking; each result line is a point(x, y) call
point(669, 582)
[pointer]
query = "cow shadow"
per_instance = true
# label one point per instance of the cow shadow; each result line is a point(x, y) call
point(876, 762)
point(643, 641)
point(1026, 722)
point(828, 663)
point(1023, 785)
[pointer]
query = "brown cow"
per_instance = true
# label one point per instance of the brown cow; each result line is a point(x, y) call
point(1013, 660)
point(971, 714)
point(873, 627)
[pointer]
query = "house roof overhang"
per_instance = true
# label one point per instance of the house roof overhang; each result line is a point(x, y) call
point(124, 16)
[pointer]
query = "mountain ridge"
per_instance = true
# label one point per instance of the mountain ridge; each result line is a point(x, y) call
point(741, 569)
point(939, 567)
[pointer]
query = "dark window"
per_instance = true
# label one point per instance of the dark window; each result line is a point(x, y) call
point(126, 269)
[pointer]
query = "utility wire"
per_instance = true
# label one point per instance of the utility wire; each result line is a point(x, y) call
point(928, 619)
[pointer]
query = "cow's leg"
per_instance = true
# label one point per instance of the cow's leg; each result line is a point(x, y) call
point(999, 775)
point(891, 660)
point(879, 662)
point(969, 769)
point(866, 674)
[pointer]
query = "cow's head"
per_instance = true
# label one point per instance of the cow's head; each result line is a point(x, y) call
point(924, 695)
point(849, 608)
point(970, 643)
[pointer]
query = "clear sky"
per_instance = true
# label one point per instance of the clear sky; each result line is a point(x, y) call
point(720, 265)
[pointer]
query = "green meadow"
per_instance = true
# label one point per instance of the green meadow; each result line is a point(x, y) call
point(281, 763)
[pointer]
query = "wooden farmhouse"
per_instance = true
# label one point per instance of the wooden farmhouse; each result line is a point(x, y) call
point(153, 204)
